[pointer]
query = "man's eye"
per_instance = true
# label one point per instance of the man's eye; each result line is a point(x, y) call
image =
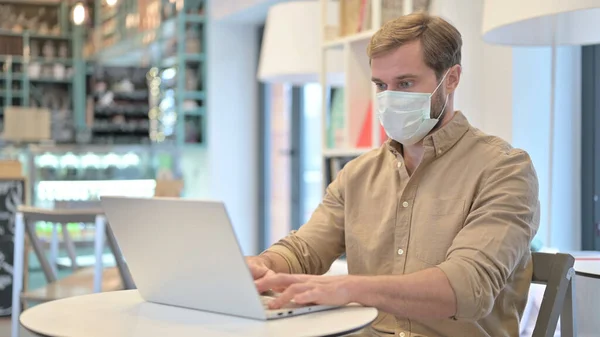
point(381, 86)
point(405, 84)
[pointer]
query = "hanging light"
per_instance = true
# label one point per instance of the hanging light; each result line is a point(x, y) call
point(111, 3)
point(78, 13)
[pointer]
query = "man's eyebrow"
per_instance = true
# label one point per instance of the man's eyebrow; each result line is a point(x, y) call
point(405, 76)
point(398, 78)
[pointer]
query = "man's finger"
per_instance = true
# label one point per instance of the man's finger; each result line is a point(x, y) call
point(275, 282)
point(289, 294)
point(258, 271)
point(311, 296)
point(279, 281)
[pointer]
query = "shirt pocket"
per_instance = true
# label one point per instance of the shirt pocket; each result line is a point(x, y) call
point(434, 228)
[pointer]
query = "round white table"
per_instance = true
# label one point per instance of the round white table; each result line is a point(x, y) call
point(125, 313)
point(587, 265)
point(587, 292)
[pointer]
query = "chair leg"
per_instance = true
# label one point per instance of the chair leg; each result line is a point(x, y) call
point(568, 326)
point(18, 273)
point(70, 247)
point(54, 247)
point(98, 251)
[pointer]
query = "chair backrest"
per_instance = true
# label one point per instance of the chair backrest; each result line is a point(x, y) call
point(557, 273)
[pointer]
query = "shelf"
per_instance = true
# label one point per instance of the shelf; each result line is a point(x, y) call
point(50, 80)
point(51, 60)
point(194, 18)
point(12, 58)
point(137, 95)
point(195, 57)
point(15, 93)
point(194, 95)
point(200, 111)
point(173, 60)
point(112, 112)
point(20, 59)
point(115, 131)
point(50, 36)
point(33, 2)
point(340, 42)
point(4, 32)
point(14, 77)
point(337, 153)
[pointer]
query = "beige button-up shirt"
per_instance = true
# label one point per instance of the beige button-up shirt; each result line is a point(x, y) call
point(470, 208)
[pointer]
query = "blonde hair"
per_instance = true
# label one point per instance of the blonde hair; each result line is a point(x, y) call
point(440, 40)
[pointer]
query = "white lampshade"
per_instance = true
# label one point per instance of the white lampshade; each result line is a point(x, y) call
point(291, 46)
point(532, 22)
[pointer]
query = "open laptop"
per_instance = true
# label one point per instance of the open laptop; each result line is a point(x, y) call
point(185, 253)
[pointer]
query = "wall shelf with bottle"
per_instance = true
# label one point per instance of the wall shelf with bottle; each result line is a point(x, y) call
point(350, 123)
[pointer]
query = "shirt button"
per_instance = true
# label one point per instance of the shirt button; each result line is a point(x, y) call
point(402, 334)
point(400, 251)
point(439, 151)
point(399, 164)
point(405, 204)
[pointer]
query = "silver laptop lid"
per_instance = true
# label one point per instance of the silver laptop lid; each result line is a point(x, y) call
point(184, 253)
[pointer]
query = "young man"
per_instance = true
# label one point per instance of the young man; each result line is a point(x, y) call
point(436, 224)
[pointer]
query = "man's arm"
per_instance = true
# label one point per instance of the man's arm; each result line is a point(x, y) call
point(503, 219)
point(425, 294)
point(312, 248)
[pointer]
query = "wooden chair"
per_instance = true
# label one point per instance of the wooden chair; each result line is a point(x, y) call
point(82, 281)
point(557, 273)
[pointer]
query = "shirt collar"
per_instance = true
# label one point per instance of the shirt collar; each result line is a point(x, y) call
point(440, 140)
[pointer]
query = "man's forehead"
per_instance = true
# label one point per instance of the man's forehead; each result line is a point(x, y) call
point(402, 61)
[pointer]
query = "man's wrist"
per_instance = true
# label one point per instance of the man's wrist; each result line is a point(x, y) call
point(358, 288)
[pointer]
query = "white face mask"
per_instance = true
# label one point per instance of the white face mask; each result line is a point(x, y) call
point(406, 116)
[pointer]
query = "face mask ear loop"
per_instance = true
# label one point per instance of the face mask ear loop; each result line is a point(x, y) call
point(446, 102)
point(442, 81)
point(443, 110)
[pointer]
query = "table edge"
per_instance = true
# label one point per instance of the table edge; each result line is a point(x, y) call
point(589, 275)
point(344, 333)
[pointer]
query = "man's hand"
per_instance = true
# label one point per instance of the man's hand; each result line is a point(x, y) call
point(259, 267)
point(305, 289)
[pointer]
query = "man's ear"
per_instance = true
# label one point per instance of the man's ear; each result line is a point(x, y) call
point(453, 78)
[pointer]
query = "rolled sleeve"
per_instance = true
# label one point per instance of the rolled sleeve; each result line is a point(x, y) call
point(289, 257)
point(313, 248)
point(496, 236)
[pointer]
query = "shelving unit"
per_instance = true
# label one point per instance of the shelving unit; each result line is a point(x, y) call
point(350, 126)
point(118, 105)
point(168, 38)
point(38, 59)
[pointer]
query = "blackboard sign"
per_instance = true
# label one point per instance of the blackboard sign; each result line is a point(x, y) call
point(12, 194)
